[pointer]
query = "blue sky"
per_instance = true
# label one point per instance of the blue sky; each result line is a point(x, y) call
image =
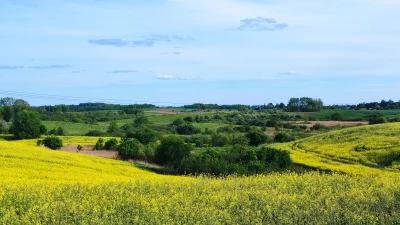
point(171, 52)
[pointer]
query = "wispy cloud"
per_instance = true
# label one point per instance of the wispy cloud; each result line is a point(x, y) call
point(170, 77)
point(78, 71)
point(123, 71)
point(145, 41)
point(262, 24)
point(164, 53)
point(164, 77)
point(177, 53)
point(7, 67)
point(290, 72)
point(50, 67)
point(111, 42)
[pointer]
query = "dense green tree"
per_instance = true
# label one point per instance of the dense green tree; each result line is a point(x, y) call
point(172, 150)
point(282, 137)
point(131, 148)
point(140, 121)
point(43, 130)
point(111, 144)
point(257, 137)
point(113, 129)
point(145, 135)
point(26, 125)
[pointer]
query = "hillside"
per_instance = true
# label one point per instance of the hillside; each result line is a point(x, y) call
point(21, 162)
point(41, 186)
point(361, 150)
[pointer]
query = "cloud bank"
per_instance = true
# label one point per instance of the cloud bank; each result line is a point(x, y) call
point(261, 24)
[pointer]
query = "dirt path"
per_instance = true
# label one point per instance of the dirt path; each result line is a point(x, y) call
point(88, 150)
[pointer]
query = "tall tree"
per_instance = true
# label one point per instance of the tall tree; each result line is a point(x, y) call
point(26, 125)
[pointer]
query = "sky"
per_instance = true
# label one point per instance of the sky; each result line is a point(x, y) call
point(175, 52)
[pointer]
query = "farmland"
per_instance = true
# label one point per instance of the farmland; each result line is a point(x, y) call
point(340, 172)
point(40, 186)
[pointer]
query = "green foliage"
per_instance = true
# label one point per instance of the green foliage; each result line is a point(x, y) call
point(131, 148)
point(239, 159)
point(319, 126)
point(113, 129)
point(172, 150)
point(53, 142)
point(140, 121)
point(4, 128)
point(257, 137)
point(79, 147)
point(58, 132)
point(187, 129)
point(377, 118)
point(304, 104)
point(282, 137)
point(96, 133)
point(275, 158)
point(220, 139)
point(337, 116)
point(111, 144)
point(43, 129)
point(99, 144)
point(26, 125)
point(145, 135)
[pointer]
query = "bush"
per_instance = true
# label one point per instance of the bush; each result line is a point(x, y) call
point(131, 148)
point(283, 137)
point(111, 144)
point(99, 144)
point(113, 129)
point(145, 135)
point(187, 129)
point(79, 147)
point(96, 133)
point(53, 142)
point(319, 126)
point(219, 140)
point(337, 116)
point(171, 151)
point(257, 137)
point(58, 132)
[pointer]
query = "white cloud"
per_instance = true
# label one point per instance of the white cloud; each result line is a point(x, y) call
point(164, 77)
point(290, 72)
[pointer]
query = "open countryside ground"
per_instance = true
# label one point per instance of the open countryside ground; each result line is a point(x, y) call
point(65, 188)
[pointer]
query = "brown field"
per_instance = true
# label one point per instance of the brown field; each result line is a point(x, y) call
point(88, 150)
point(334, 123)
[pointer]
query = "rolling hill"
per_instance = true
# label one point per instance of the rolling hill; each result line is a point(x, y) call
point(363, 150)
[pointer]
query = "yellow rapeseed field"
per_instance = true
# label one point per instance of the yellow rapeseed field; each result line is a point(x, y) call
point(365, 150)
point(41, 186)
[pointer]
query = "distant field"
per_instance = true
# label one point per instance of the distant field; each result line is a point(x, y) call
point(350, 115)
point(358, 150)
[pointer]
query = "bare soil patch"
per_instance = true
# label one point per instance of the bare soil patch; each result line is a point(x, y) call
point(89, 150)
point(334, 123)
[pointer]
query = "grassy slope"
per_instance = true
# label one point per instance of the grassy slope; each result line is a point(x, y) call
point(336, 150)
